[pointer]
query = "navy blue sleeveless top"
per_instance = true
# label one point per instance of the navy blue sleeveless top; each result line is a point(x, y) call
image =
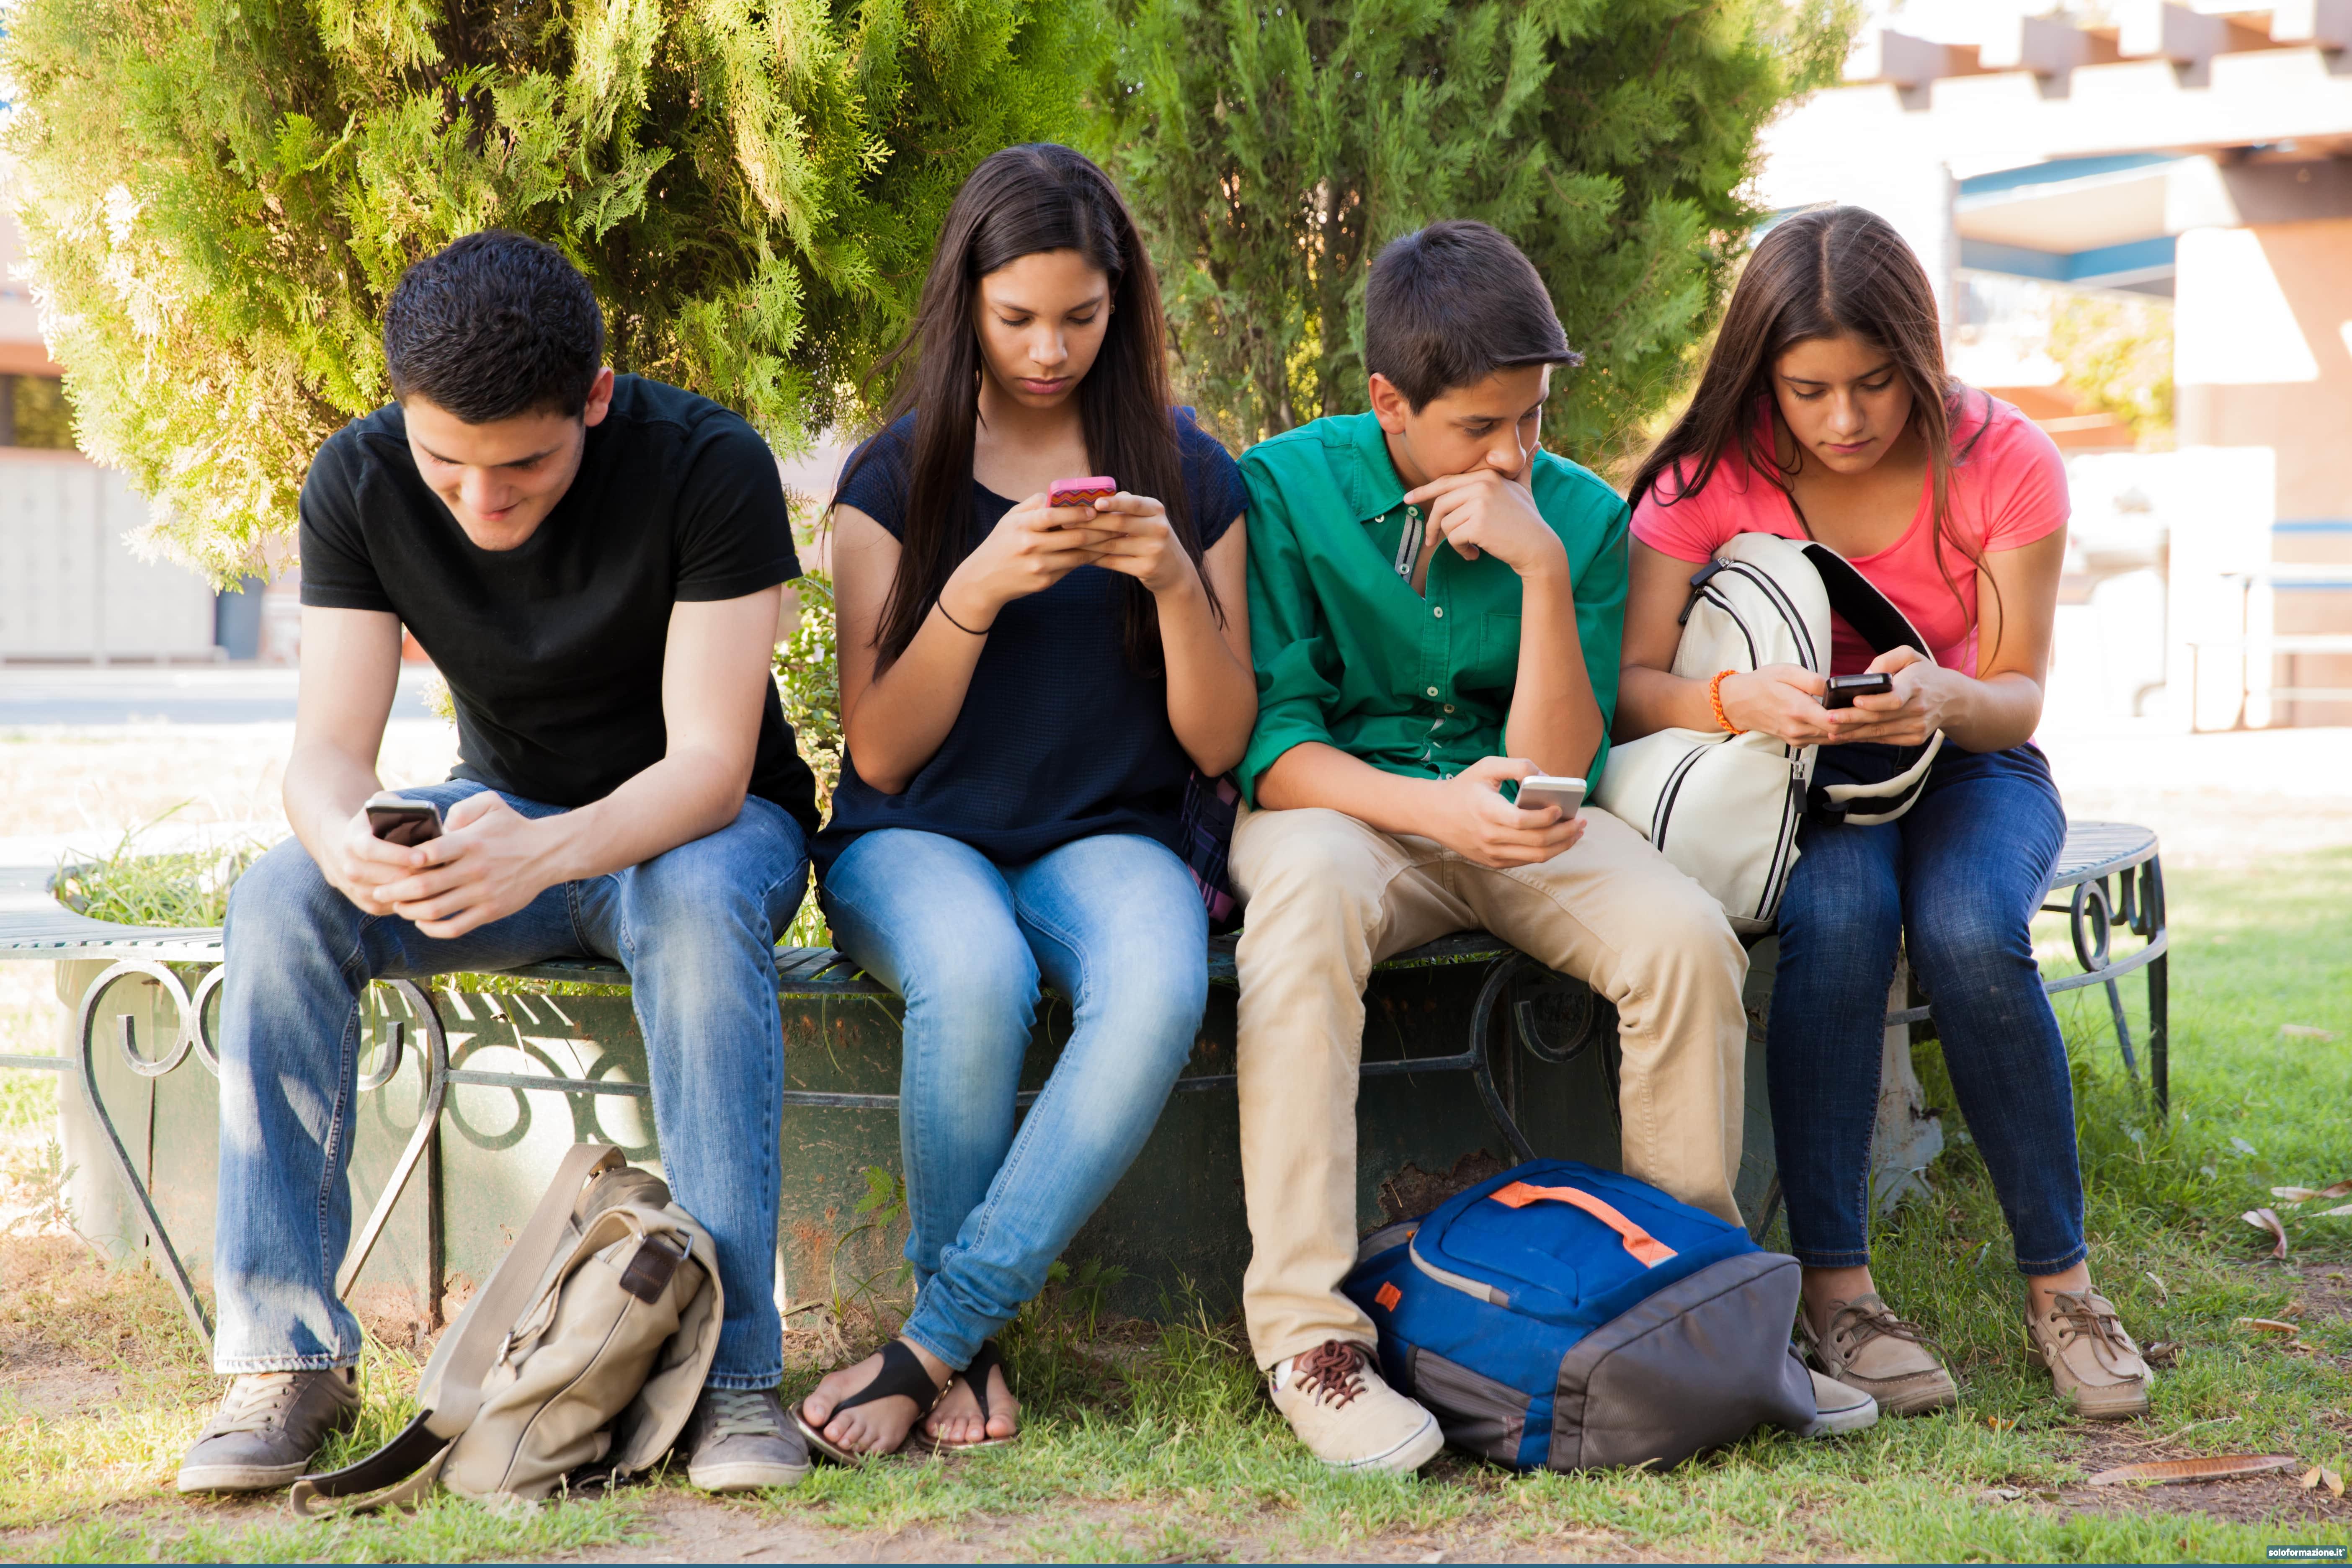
point(1059, 738)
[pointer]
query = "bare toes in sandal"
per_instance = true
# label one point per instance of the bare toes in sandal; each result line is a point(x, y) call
point(867, 1409)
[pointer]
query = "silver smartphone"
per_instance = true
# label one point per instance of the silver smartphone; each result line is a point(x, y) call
point(1539, 790)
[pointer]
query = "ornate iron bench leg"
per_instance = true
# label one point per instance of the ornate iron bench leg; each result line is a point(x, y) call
point(175, 1270)
point(1483, 1029)
point(425, 1142)
point(2159, 988)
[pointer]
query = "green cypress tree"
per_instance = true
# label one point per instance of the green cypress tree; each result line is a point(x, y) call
point(217, 196)
point(1272, 146)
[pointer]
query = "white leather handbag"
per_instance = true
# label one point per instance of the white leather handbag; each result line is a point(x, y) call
point(1724, 808)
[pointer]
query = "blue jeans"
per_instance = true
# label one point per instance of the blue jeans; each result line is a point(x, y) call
point(696, 928)
point(1958, 878)
point(1114, 923)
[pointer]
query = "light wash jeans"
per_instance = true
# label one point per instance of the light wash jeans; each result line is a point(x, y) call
point(696, 928)
point(1114, 923)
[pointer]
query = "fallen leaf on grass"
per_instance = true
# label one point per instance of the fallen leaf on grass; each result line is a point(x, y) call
point(2000, 1423)
point(2341, 1211)
point(2221, 1466)
point(2306, 1032)
point(2164, 1353)
point(2305, 1194)
point(2320, 1476)
point(2265, 1220)
point(2269, 1326)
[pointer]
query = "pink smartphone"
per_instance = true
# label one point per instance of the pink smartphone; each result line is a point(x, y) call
point(1081, 492)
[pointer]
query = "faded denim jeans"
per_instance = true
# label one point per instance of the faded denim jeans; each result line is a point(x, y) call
point(1116, 924)
point(696, 929)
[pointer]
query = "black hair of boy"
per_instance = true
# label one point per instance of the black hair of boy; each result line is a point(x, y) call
point(496, 325)
point(1449, 305)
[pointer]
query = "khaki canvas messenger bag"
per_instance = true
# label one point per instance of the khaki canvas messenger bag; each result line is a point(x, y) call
point(587, 1346)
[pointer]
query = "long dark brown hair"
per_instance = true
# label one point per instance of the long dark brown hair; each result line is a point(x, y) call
point(1821, 274)
point(1019, 202)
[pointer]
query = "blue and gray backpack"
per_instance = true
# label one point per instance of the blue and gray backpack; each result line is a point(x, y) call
point(1566, 1317)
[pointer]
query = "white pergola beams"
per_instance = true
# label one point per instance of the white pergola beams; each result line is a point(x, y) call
point(2187, 39)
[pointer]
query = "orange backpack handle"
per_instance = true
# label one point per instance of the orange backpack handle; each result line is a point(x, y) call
point(1645, 1247)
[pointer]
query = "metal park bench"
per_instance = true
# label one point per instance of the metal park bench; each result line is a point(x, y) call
point(1557, 1091)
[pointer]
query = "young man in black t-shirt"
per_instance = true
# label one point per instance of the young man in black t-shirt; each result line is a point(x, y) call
point(596, 563)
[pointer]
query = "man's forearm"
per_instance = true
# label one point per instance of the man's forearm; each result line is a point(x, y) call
point(685, 796)
point(324, 789)
point(1315, 773)
point(1555, 721)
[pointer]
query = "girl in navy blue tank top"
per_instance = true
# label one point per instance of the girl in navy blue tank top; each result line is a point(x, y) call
point(1025, 690)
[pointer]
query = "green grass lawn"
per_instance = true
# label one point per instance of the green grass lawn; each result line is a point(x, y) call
point(1156, 1444)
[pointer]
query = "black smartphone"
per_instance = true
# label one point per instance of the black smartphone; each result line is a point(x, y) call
point(396, 819)
point(1844, 689)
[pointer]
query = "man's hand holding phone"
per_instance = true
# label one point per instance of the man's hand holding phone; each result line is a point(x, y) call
point(489, 862)
point(360, 862)
point(1474, 821)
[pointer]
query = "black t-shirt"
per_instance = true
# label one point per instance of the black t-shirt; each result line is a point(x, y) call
point(553, 649)
point(1059, 738)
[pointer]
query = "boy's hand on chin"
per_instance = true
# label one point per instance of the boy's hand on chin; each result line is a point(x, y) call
point(1474, 821)
point(1485, 512)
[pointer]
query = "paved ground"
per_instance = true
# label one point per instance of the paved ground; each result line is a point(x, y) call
point(132, 693)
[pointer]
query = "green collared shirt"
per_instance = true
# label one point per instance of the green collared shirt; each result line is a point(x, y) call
point(1349, 655)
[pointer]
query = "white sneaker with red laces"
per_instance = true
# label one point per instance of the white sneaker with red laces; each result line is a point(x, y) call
point(1335, 1399)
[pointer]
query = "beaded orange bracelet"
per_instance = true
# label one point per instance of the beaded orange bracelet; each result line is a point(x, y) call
point(1714, 699)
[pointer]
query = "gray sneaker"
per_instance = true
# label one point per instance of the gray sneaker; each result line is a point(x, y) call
point(269, 1426)
point(738, 1441)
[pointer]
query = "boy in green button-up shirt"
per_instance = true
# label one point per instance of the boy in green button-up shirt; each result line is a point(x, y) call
point(1436, 605)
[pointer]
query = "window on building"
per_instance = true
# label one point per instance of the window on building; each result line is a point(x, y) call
point(33, 412)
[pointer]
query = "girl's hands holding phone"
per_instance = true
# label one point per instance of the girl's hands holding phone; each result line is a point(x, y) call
point(1140, 543)
point(1906, 715)
point(1031, 547)
point(1783, 700)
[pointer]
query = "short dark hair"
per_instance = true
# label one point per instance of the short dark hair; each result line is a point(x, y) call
point(1449, 305)
point(496, 324)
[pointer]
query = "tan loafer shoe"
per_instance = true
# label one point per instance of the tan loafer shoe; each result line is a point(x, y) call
point(2094, 1362)
point(1869, 1348)
point(1335, 1399)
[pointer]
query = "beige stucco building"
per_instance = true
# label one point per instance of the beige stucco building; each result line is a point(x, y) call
point(2199, 154)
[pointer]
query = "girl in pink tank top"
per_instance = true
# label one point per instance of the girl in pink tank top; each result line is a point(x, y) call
point(1825, 413)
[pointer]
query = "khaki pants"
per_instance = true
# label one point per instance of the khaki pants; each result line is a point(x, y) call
point(1330, 896)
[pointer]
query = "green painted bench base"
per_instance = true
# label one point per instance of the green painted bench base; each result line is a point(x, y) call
point(1475, 1056)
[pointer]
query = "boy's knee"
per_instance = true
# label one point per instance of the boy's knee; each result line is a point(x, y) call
point(1684, 931)
point(1311, 866)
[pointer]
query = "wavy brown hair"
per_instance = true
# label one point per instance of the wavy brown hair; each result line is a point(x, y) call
point(1019, 202)
point(1827, 273)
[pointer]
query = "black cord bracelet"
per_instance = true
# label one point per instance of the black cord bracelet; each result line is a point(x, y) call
point(941, 606)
